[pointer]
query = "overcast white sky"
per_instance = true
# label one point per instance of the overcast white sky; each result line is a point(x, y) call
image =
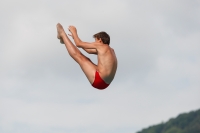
point(43, 90)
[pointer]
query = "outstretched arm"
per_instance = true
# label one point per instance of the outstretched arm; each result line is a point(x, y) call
point(91, 51)
point(78, 41)
point(81, 44)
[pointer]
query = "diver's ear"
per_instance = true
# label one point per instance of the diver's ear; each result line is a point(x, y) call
point(100, 40)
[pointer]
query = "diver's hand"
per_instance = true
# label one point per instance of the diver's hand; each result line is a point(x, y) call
point(73, 31)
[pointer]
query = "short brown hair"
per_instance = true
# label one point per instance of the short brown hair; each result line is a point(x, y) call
point(104, 37)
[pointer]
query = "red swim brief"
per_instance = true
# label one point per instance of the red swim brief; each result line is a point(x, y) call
point(99, 83)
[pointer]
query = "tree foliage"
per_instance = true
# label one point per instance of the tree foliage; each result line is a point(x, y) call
point(184, 123)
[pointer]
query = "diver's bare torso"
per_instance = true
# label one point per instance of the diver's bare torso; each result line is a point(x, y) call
point(107, 63)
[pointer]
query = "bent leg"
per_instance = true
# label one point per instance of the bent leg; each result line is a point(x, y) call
point(86, 65)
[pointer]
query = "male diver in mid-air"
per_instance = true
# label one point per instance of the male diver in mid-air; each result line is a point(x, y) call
point(100, 75)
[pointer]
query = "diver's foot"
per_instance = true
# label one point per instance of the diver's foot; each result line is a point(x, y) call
point(60, 32)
